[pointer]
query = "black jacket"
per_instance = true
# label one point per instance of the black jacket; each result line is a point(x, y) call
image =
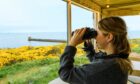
point(99, 71)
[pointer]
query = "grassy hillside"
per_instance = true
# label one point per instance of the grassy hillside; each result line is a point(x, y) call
point(135, 45)
point(32, 65)
point(33, 72)
point(38, 65)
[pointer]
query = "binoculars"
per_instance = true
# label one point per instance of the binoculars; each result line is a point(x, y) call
point(89, 33)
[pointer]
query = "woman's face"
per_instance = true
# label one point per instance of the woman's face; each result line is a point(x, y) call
point(101, 39)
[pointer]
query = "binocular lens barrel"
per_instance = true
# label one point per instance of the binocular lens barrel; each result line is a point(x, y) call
point(89, 33)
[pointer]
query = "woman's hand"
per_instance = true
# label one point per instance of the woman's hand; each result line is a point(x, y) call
point(88, 45)
point(77, 37)
point(88, 42)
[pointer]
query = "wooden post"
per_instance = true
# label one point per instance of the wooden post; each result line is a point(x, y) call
point(68, 20)
point(96, 19)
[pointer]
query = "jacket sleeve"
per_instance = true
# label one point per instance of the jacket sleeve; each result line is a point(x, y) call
point(67, 71)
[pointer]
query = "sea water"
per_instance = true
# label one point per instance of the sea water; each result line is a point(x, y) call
point(13, 40)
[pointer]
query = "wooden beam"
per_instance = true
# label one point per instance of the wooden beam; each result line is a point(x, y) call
point(46, 40)
point(122, 5)
point(106, 13)
point(86, 4)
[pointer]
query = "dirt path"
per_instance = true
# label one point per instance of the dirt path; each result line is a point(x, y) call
point(134, 56)
point(9, 78)
point(25, 74)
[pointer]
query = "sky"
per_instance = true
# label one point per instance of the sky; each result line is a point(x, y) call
point(32, 15)
point(46, 16)
point(132, 22)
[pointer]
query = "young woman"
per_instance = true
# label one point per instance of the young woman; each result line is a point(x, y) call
point(109, 67)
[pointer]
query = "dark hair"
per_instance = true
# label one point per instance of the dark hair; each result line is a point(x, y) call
point(118, 28)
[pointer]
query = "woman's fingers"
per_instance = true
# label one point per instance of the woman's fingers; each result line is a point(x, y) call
point(88, 41)
point(77, 37)
point(79, 32)
point(83, 31)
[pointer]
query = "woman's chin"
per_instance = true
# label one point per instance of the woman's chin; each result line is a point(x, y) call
point(99, 47)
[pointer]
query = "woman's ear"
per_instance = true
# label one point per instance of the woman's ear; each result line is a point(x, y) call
point(109, 37)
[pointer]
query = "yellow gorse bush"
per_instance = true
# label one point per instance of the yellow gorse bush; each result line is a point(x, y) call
point(25, 53)
point(134, 45)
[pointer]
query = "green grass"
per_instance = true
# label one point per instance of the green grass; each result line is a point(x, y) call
point(33, 72)
point(39, 71)
point(137, 50)
point(135, 41)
